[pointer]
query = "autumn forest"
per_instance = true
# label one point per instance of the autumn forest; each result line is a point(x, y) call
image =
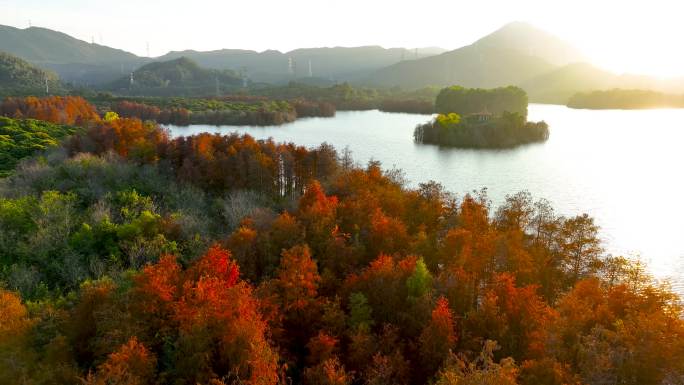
point(131, 257)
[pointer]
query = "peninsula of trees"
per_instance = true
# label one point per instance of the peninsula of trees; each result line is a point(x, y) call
point(129, 257)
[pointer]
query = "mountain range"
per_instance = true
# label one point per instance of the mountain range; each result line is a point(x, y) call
point(80, 62)
point(337, 63)
point(548, 68)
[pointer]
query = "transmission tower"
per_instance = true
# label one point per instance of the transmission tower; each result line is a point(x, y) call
point(243, 76)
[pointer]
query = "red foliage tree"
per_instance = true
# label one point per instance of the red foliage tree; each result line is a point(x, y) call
point(131, 364)
point(297, 278)
point(438, 337)
point(72, 110)
point(516, 317)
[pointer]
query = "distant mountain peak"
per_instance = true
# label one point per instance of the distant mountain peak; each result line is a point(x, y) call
point(178, 76)
point(533, 41)
point(516, 29)
point(517, 24)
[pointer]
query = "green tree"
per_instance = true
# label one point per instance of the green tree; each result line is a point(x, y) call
point(360, 316)
point(420, 282)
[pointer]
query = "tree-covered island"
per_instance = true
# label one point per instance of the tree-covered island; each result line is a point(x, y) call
point(481, 118)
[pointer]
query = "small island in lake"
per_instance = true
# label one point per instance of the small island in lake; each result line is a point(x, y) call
point(622, 99)
point(466, 121)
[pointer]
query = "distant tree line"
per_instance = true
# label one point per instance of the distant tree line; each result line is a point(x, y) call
point(56, 109)
point(625, 99)
point(178, 116)
point(346, 97)
point(305, 108)
point(20, 78)
point(343, 96)
point(220, 111)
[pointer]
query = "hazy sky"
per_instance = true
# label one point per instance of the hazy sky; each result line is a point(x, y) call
point(623, 36)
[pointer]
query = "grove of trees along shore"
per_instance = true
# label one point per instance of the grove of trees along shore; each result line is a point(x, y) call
point(129, 257)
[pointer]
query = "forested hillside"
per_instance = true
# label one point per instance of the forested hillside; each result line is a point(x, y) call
point(18, 77)
point(75, 60)
point(129, 257)
point(180, 77)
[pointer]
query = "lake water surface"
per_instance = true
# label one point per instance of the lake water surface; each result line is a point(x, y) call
point(625, 168)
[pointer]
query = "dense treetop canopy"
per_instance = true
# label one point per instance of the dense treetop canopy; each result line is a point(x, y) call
point(129, 257)
point(465, 101)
